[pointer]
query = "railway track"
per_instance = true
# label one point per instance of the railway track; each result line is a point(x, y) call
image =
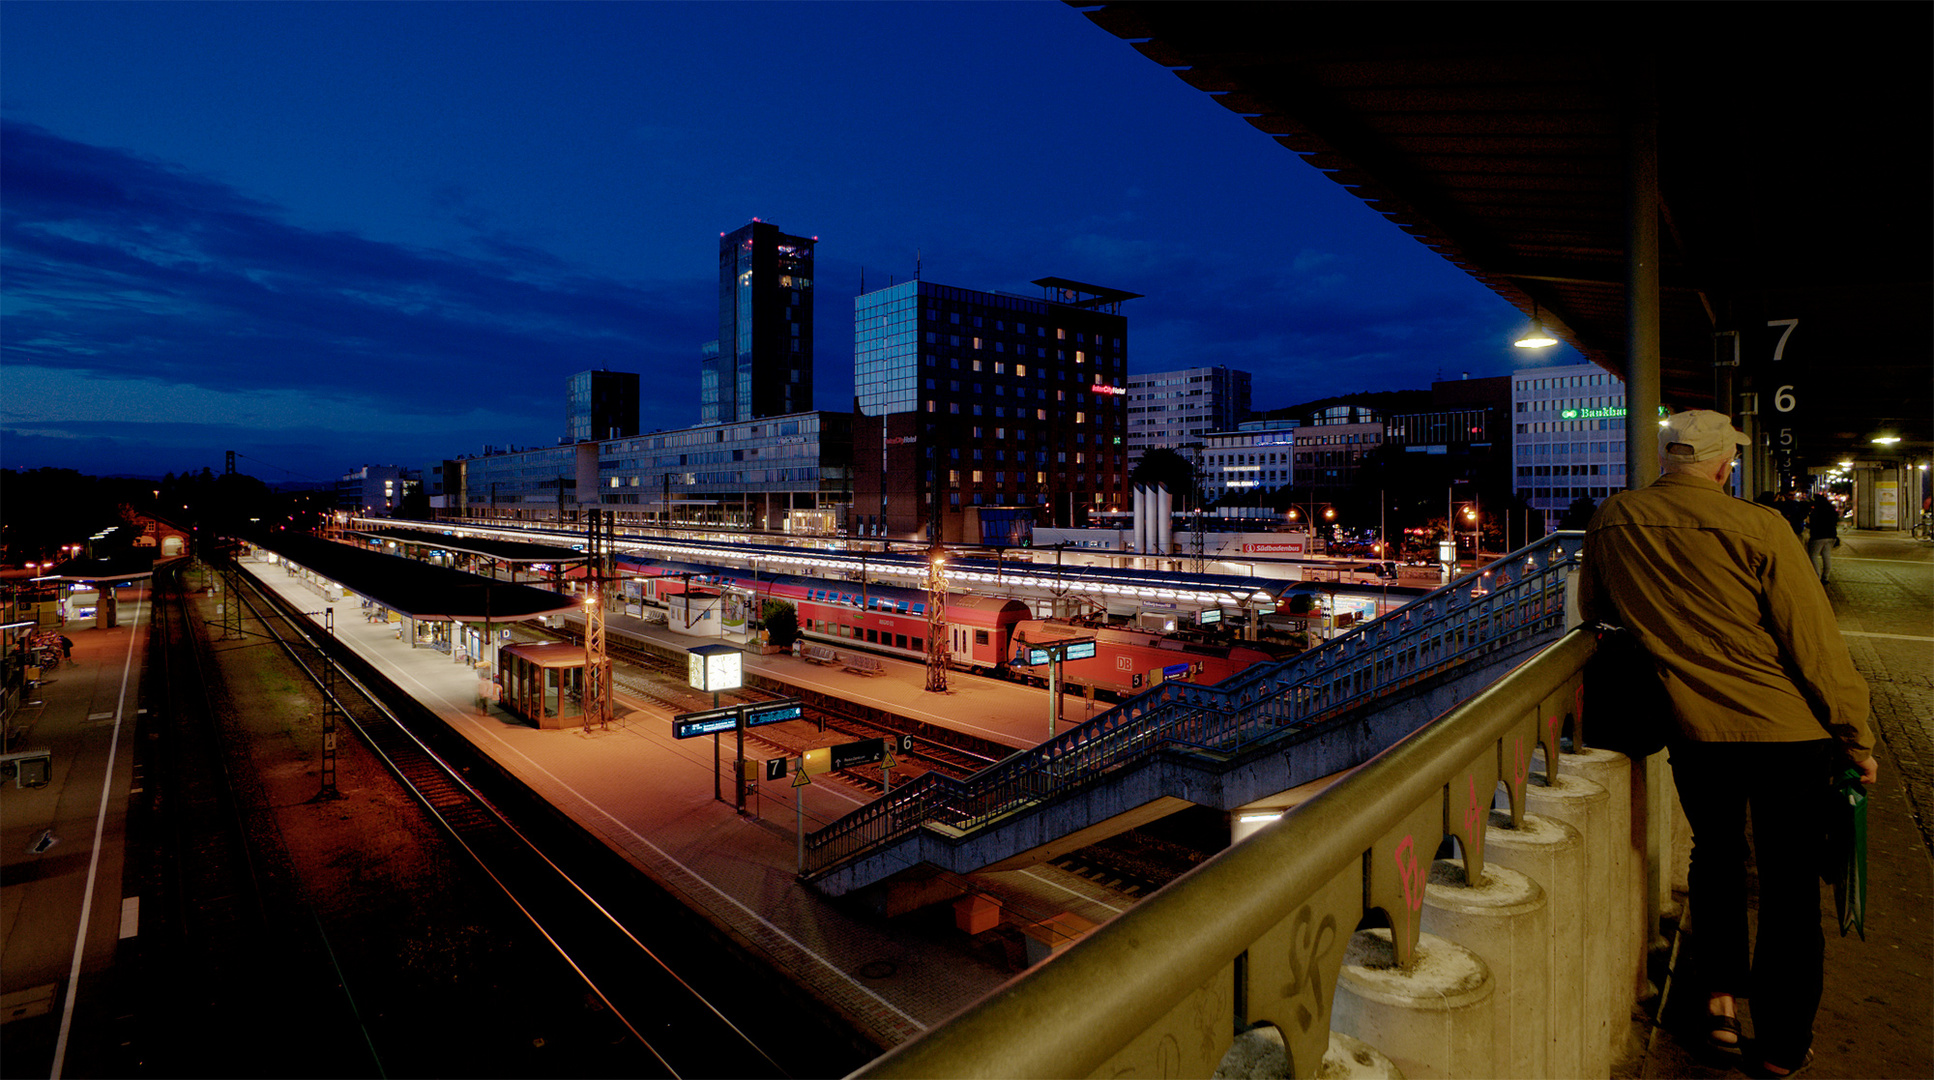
point(657, 967)
point(223, 929)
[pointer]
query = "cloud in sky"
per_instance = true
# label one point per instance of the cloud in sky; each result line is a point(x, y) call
point(123, 268)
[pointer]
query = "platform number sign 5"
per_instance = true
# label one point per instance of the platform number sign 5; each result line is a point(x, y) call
point(1785, 401)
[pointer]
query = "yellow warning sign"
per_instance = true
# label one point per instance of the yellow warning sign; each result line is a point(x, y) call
point(887, 762)
point(800, 779)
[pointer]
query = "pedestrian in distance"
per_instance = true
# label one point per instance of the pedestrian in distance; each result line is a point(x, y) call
point(1766, 710)
point(1822, 533)
point(66, 649)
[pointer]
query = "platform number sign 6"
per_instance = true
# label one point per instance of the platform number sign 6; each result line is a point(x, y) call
point(1784, 400)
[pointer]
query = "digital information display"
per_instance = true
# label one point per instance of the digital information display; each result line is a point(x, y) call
point(774, 712)
point(1209, 615)
point(709, 722)
point(713, 721)
point(1080, 650)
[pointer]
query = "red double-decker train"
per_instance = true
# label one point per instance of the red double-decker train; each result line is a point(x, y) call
point(987, 634)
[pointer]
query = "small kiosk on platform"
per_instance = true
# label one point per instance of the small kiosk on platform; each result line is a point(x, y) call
point(543, 682)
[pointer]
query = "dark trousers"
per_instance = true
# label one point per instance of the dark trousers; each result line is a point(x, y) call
point(1785, 785)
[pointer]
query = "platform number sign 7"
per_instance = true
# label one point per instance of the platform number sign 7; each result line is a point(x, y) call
point(1784, 400)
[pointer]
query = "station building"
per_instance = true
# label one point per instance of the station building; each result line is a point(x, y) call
point(967, 399)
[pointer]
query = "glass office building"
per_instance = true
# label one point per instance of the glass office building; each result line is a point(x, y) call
point(973, 399)
point(762, 363)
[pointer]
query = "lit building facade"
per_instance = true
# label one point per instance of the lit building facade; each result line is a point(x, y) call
point(969, 399)
point(1175, 409)
point(1253, 457)
point(1568, 436)
point(536, 484)
point(781, 473)
point(762, 363)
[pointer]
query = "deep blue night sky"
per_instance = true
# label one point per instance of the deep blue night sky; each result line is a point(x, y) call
point(324, 235)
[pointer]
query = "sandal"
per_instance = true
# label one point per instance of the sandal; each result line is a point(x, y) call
point(1723, 1033)
point(1769, 1071)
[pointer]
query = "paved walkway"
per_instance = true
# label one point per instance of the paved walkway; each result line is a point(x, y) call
point(650, 797)
point(1877, 1014)
point(61, 845)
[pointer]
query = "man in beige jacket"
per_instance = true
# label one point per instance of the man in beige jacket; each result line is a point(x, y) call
point(1767, 709)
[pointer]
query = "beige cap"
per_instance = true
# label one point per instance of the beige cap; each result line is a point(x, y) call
point(1697, 435)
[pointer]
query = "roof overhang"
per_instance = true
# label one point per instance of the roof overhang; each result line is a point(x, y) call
point(1795, 165)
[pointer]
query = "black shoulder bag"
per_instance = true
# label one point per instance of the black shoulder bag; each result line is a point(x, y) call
point(1624, 707)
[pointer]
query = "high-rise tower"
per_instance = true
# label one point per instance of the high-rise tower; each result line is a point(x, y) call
point(762, 363)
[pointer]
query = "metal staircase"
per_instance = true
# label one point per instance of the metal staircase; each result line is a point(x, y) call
point(1514, 602)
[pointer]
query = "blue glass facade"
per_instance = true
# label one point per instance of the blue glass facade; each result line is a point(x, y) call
point(886, 349)
point(762, 363)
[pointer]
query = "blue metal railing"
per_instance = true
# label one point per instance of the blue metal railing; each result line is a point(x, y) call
point(1519, 597)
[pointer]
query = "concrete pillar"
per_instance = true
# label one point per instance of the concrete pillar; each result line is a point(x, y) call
point(1625, 828)
point(1583, 805)
point(1505, 920)
point(1552, 854)
point(1259, 1052)
point(1353, 1059)
point(1433, 1019)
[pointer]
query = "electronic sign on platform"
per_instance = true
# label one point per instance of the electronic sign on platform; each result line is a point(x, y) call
point(709, 722)
point(774, 712)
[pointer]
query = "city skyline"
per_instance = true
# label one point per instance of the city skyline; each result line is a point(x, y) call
point(329, 235)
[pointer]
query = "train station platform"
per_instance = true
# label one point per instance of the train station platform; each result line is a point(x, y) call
point(650, 798)
point(62, 911)
point(1011, 714)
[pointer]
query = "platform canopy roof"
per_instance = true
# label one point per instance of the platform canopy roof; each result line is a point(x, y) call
point(505, 551)
point(416, 589)
point(133, 564)
point(1795, 148)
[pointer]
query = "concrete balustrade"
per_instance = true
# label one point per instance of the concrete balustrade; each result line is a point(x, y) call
point(1585, 806)
point(1625, 829)
point(1432, 1018)
point(1505, 920)
point(1552, 853)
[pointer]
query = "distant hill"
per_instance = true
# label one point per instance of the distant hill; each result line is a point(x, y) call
point(1382, 402)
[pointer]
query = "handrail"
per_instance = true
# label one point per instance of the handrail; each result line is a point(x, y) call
point(1518, 596)
point(1154, 990)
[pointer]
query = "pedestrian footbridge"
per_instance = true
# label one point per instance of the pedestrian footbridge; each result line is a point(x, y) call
point(1262, 732)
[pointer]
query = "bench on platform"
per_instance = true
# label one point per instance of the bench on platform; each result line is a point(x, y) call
point(819, 654)
point(863, 665)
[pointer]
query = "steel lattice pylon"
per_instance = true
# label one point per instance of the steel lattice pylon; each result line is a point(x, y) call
point(937, 651)
point(597, 663)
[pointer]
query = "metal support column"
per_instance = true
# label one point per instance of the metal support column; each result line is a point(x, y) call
point(327, 665)
point(1641, 412)
point(937, 646)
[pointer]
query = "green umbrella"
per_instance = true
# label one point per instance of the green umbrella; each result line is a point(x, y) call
point(1847, 852)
